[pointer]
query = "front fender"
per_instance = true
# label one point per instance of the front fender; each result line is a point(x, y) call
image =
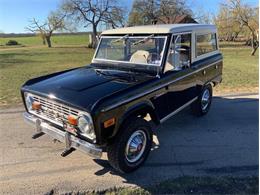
point(139, 109)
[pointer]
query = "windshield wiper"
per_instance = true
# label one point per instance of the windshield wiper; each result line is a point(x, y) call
point(108, 73)
point(144, 40)
point(121, 38)
point(102, 72)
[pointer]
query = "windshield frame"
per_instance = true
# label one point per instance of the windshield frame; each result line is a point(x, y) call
point(98, 60)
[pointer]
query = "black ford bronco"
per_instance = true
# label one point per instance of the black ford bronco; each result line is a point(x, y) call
point(139, 76)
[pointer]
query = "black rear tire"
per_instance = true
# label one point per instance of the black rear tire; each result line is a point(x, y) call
point(201, 106)
point(116, 151)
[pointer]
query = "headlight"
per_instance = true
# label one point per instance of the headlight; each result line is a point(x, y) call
point(28, 101)
point(86, 127)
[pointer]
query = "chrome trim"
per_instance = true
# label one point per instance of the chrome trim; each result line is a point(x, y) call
point(99, 41)
point(135, 146)
point(167, 55)
point(54, 111)
point(178, 110)
point(156, 88)
point(205, 55)
point(159, 95)
point(55, 133)
point(171, 39)
point(128, 62)
point(205, 99)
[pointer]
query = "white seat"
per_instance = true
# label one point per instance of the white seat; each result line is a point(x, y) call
point(140, 56)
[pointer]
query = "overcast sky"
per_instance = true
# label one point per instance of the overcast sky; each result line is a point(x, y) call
point(15, 14)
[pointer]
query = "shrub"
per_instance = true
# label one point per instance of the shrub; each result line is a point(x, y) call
point(12, 42)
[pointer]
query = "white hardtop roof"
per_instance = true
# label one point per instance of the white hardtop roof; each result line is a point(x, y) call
point(160, 29)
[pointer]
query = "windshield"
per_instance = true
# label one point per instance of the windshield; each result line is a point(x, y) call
point(146, 50)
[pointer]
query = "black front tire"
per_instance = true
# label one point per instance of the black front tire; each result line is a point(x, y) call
point(198, 108)
point(116, 151)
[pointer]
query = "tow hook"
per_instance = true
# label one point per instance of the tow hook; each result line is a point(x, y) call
point(68, 148)
point(37, 135)
point(66, 152)
point(39, 132)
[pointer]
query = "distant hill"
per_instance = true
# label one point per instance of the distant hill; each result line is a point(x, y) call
point(3, 35)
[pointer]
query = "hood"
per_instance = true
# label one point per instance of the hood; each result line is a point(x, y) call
point(83, 87)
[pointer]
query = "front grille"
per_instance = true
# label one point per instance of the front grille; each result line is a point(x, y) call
point(53, 111)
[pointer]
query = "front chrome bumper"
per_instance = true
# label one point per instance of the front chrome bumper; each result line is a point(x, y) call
point(55, 133)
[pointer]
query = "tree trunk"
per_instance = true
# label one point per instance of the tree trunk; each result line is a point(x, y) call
point(248, 42)
point(94, 37)
point(254, 44)
point(253, 51)
point(48, 39)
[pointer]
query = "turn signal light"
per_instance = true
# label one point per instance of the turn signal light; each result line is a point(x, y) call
point(36, 105)
point(72, 120)
point(109, 122)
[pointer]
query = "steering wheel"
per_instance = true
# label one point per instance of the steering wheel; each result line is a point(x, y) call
point(153, 57)
point(182, 48)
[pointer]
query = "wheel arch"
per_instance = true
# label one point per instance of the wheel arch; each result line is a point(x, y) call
point(144, 107)
point(201, 87)
point(139, 109)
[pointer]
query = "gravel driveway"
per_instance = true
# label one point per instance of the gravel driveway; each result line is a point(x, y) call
point(225, 142)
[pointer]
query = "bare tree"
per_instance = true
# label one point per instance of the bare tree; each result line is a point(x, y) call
point(228, 26)
point(153, 11)
point(247, 16)
point(54, 22)
point(202, 16)
point(116, 17)
point(144, 12)
point(94, 12)
point(171, 9)
point(42, 36)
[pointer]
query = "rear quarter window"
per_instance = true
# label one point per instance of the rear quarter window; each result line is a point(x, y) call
point(206, 43)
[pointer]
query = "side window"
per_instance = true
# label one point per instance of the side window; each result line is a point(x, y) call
point(206, 43)
point(180, 53)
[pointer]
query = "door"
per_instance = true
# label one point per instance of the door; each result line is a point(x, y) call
point(182, 89)
point(207, 59)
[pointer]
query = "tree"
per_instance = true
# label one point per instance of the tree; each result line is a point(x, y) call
point(202, 16)
point(144, 12)
point(54, 22)
point(228, 26)
point(115, 18)
point(247, 17)
point(94, 12)
point(171, 9)
point(153, 11)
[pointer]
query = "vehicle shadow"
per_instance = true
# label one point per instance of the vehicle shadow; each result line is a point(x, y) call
point(226, 138)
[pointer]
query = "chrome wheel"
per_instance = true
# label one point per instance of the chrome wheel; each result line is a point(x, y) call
point(135, 146)
point(205, 99)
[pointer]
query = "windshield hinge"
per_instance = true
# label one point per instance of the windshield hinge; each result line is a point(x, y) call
point(157, 73)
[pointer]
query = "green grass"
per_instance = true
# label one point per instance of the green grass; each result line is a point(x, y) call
point(207, 185)
point(240, 72)
point(18, 64)
point(190, 185)
point(81, 39)
point(224, 44)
